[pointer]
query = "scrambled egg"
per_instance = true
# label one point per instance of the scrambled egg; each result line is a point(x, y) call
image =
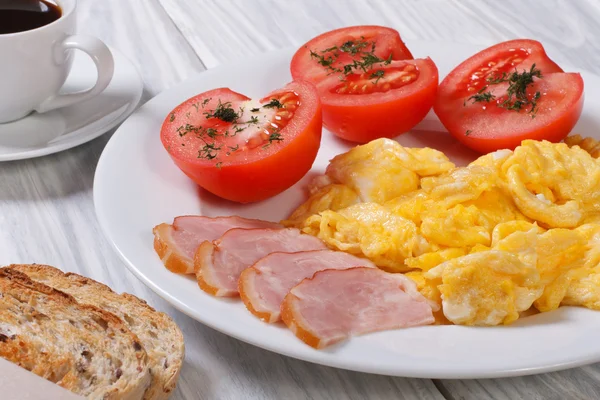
point(512, 232)
point(369, 230)
point(493, 286)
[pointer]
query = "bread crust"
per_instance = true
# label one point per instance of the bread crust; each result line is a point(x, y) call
point(159, 335)
point(80, 347)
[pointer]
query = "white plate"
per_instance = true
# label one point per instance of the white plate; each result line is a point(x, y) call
point(71, 126)
point(137, 187)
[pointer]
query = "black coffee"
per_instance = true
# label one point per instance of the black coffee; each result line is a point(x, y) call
point(23, 15)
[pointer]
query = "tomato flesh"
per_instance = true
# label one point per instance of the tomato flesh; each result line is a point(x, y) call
point(241, 149)
point(385, 108)
point(369, 84)
point(503, 63)
point(549, 106)
point(378, 81)
point(386, 42)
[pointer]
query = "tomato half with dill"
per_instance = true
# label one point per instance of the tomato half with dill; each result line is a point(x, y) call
point(508, 93)
point(245, 150)
point(369, 84)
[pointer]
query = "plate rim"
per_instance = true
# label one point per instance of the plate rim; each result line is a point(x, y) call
point(190, 312)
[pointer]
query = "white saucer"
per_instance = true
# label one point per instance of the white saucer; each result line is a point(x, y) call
point(68, 127)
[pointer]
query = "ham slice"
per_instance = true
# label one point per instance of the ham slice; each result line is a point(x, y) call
point(219, 264)
point(264, 285)
point(337, 304)
point(176, 244)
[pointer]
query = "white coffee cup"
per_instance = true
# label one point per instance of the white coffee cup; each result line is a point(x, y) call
point(35, 64)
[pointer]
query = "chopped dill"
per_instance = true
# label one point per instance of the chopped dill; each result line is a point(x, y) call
point(209, 151)
point(516, 92)
point(274, 103)
point(224, 112)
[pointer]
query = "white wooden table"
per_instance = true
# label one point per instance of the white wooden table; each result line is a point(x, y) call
point(47, 215)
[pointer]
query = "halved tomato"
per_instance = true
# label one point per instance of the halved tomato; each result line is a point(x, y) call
point(370, 86)
point(507, 93)
point(245, 150)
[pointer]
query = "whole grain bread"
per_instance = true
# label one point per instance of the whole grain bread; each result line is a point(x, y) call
point(79, 347)
point(159, 335)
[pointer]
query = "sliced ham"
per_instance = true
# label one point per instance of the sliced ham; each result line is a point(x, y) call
point(219, 264)
point(337, 304)
point(176, 244)
point(264, 286)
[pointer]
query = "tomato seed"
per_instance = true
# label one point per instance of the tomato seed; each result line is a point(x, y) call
point(285, 114)
point(255, 141)
point(286, 97)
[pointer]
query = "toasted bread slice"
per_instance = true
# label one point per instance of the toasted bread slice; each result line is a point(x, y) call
point(159, 335)
point(79, 347)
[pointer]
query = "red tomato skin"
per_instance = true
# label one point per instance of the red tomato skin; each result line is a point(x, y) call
point(361, 121)
point(554, 132)
point(257, 180)
point(389, 41)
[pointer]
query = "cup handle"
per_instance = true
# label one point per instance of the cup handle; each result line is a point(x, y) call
point(101, 56)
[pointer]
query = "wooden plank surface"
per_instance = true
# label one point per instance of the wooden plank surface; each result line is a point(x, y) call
point(46, 208)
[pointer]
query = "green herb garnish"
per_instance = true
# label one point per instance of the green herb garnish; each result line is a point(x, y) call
point(377, 75)
point(224, 112)
point(482, 97)
point(517, 98)
point(209, 151)
point(362, 48)
point(274, 103)
point(273, 137)
point(212, 133)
